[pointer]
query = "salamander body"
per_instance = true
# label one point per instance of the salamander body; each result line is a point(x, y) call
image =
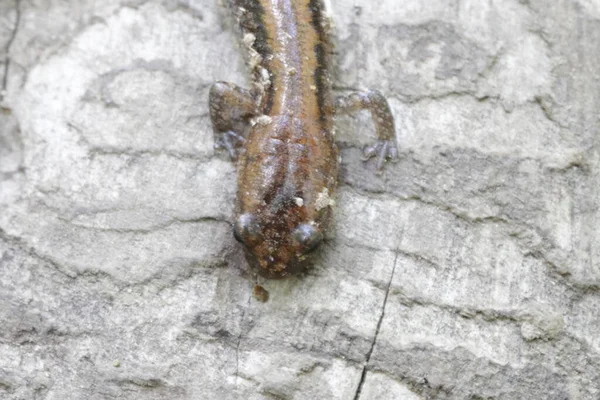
point(281, 133)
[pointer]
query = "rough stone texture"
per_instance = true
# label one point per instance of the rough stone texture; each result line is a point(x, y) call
point(469, 270)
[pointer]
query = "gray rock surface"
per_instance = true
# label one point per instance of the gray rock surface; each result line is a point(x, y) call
point(469, 270)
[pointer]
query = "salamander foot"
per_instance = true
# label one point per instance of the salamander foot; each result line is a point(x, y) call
point(382, 149)
point(232, 142)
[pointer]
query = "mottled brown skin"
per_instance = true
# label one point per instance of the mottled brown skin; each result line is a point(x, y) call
point(281, 130)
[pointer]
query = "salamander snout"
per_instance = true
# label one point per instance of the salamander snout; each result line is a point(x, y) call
point(274, 252)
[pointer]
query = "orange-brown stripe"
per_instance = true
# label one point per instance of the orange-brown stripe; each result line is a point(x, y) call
point(294, 53)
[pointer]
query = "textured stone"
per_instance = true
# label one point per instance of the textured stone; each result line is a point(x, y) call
point(468, 270)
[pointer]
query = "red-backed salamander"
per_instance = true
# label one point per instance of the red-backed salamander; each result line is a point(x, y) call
point(281, 133)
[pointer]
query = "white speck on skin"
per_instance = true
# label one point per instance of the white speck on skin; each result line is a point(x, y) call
point(263, 120)
point(254, 58)
point(323, 200)
point(264, 74)
point(299, 201)
point(249, 39)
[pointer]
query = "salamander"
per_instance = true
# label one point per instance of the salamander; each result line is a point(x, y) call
point(280, 131)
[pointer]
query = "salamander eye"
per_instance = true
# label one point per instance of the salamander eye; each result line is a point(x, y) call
point(246, 229)
point(308, 237)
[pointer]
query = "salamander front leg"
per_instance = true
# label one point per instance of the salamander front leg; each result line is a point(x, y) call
point(231, 109)
point(372, 100)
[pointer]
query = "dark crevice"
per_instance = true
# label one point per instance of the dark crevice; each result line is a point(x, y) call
point(546, 110)
point(158, 227)
point(381, 315)
point(451, 209)
point(108, 151)
point(8, 46)
point(31, 251)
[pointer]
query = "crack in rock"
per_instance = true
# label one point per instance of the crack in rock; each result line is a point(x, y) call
point(370, 352)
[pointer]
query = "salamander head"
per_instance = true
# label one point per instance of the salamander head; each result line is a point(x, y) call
point(276, 249)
